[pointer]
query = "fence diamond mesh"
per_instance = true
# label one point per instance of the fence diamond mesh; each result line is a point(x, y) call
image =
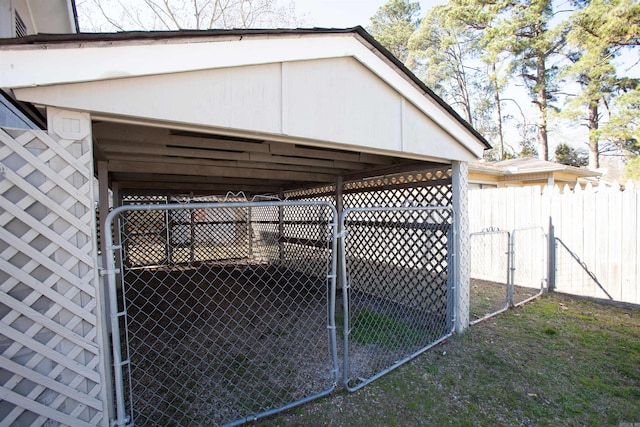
point(529, 265)
point(237, 323)
point(398, 294)
point(489, 287)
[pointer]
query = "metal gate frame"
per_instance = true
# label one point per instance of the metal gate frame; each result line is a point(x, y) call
point(118, 317)
point(544, 279)
point(507, 270)
point(346, 289)
point(513, 267)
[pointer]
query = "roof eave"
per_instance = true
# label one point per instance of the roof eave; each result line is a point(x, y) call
point(160, 35)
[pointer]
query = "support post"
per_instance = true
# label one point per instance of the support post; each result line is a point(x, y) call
point(551, 258)
point(339, 208)
point(103, 204)
point(461, 263)
point(281, 228)
point(75, 126)
point(116, 200)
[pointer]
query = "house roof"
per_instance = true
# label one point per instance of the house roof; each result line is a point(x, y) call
point(307, 104)
point(158, 35)
point(528, 165)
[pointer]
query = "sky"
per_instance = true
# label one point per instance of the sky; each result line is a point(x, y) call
point(345, 13)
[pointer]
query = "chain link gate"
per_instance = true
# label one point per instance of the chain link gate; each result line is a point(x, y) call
point(508, 269)
point(397, 287)
point(529, 264)
point(224, 313)
point(490, 271)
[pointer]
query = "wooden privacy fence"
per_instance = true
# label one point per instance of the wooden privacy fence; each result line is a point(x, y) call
point(594, 233)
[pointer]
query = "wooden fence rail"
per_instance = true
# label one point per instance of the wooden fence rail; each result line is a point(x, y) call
point(597, 247)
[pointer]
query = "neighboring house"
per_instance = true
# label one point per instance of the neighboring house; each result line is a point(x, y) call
point(21, 18)
point(525, 172)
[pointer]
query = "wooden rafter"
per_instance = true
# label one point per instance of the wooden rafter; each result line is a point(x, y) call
point(152, 158)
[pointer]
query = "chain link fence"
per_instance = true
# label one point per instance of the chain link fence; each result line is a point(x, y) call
point(490, 268)
point(225, 310)
point(397, 299)
point(529, 264)
point(507, 269)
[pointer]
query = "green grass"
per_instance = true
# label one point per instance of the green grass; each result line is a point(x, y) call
point(383, 331)
point(557, 361)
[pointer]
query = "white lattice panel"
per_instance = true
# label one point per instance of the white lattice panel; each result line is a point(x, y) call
point(49, 357)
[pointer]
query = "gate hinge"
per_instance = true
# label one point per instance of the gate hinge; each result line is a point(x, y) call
point(105, 272)
point(341, 234)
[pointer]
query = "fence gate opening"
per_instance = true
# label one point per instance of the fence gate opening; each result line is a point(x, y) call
point(529, 264)
point(490, 269)
point(225, 310)
point(397, 287)
point(507, 269)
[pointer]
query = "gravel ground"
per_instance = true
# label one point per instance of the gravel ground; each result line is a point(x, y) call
point(211, 345)
point(218, 344)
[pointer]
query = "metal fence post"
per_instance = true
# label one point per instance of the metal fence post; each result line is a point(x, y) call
point(511, 262)
point(552, 256)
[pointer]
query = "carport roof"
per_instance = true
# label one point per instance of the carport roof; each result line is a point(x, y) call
point(276, 130)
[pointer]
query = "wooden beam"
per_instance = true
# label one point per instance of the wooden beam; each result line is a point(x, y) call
point(223, 163)
point(222, 187)
point(285, 149)
point(288, 160)
point(408, 166)
point(174, 169)
point(154, 136)
point(112, 148)
point(192, 179)
point(127, 147)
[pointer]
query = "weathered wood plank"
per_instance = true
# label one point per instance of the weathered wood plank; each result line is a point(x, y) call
point(221, 188)
point(306, 161)
point(285, 149)
point(292, 166)
point(172, 169)
point(132, 148)
point(151, 135)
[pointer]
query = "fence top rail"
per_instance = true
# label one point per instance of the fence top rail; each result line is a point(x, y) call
point(491, 230)
point(216, 205)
